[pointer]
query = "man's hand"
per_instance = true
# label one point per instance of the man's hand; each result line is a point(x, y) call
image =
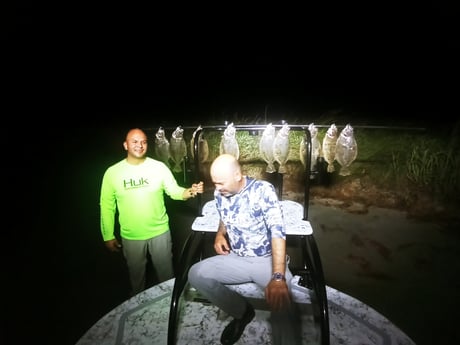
point(113, 245)
point(221, 245)
point(196, 188)
point(277, 295)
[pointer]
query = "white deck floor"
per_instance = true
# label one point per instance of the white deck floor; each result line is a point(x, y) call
point(143, 319)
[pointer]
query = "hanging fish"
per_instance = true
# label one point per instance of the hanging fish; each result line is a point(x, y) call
point(315, 149)
point(203, 149)
point(281, 147)
point(162, 146)
point(329, 142)
point(177, 149)
point(266, 147)
point(228, 143)
point(346, 150)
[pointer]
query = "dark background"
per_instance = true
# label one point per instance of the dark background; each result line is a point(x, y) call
point(76, 78)
point(102, 66)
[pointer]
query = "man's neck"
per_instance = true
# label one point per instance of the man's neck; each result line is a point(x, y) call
point(135, 160)
point(243, 183)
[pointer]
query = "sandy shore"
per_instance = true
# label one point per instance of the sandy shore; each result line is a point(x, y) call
point(406, 269)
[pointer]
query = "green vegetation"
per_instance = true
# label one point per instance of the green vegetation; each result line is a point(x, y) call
point(426, 160)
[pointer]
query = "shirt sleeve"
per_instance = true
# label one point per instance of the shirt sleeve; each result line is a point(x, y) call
point(171, 187)
point(107, 207)
point(273, 214)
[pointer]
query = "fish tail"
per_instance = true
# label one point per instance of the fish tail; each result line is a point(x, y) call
point(177, 167)
point(344, 171)
point(270, 168)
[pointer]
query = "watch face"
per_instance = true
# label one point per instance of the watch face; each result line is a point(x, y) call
point(278, 276)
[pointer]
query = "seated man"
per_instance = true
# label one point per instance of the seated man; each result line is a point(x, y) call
point(251, 247)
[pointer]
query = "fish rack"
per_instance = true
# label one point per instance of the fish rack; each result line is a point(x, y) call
point(255, 130)
point(311, 270)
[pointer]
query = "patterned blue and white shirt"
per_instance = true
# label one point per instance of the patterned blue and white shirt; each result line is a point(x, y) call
point(252, 218)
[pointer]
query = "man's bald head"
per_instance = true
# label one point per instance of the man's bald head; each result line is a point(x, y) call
point(226, 174)
point(225, 163)
point(136, 132)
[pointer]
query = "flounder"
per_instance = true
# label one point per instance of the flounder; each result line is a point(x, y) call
point(329, 143)
point(266, 147)
point(281, 147)
point(228, 143)
point(346, 150)
point(315, 148)
point(177, 149)
point(162, 147)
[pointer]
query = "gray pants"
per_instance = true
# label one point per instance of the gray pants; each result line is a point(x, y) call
point(160, 251)
point(210, 276)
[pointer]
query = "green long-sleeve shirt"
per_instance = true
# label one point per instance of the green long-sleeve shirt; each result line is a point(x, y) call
point(138, 192)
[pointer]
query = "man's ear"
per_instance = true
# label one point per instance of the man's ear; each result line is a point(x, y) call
point(125, 145)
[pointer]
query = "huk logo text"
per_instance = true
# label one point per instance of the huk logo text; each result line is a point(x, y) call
point(128, 184)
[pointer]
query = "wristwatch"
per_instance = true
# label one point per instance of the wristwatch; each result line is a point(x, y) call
point(277, 276)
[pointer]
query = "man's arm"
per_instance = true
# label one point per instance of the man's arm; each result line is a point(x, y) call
point(279, 255)
point(221, 245)
point(277, 292)
point(107, 204)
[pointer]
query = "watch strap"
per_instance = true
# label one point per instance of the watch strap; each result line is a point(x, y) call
point(278, 276)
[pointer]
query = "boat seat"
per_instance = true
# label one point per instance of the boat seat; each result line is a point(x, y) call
point(312, 294)
point(292, 212)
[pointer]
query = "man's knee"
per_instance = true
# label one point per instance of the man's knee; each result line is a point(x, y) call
point(198, 277)
point(192, 273)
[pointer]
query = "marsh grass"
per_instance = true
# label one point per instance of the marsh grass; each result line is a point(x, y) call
point(435, 167)
point(424, 160)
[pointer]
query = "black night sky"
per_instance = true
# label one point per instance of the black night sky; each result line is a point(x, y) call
point(106, 66)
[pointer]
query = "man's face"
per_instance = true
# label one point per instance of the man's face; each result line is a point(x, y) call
point(136, 144)
point(226, 183)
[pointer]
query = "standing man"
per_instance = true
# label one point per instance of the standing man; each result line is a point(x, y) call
point(136, 186)
point(251, 247)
